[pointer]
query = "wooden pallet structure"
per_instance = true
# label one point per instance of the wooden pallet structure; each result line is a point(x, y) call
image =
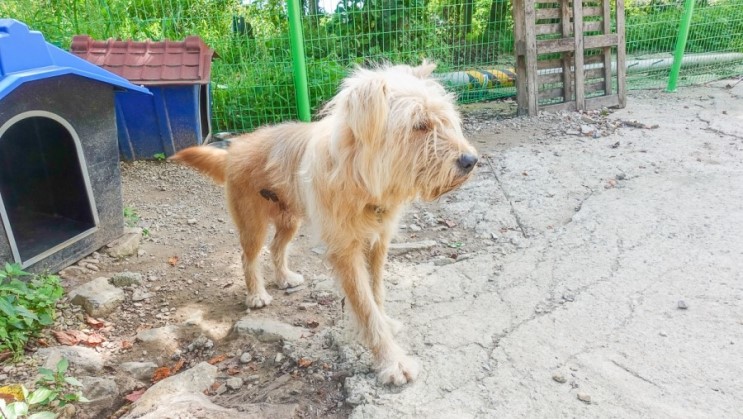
point(565, 52)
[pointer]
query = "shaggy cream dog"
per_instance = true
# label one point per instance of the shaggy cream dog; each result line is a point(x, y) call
point(390, 136)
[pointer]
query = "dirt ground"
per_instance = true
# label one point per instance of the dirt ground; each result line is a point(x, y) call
point(500, 265)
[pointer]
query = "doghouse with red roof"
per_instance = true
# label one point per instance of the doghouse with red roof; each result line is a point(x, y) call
point(178, 114)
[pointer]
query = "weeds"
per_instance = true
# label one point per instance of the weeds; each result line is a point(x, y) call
point(26, 307)
point(54, 390)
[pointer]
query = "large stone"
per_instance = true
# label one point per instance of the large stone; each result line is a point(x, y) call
point(198, 406)
point(268, 330)
point(160, 338)
point(101, 392)
point(98, 297)
point(125, 279)
point(126, 245)
point(140, 370)
point(79, 357)
point(194, 380)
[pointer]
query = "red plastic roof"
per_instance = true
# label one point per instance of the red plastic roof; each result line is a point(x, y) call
point(149, 63)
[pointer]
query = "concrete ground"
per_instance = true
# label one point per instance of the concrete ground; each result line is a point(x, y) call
point(612, 264)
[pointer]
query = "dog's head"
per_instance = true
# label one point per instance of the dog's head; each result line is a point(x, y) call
point(401, 132)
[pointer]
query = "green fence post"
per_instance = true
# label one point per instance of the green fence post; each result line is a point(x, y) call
point(296, 40)
point(681, 38)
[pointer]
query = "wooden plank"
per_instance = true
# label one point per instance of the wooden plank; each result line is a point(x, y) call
point(548, 46)
point(568, 59)
point(602, 102)
point(556, 107)
point(530, 38)
point(554, 13)
point(557, 63)
point(621, 58)
point(595, 87)
point(607, 50)
point(559, 76)
point(579, 45)
point(550, 28)
point(519, 35)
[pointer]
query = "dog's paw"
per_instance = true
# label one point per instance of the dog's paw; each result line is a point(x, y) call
point(289, 280)
point(259, 300)
point(395, 326)
point(398, 371)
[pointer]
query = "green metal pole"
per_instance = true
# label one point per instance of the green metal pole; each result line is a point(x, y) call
point(683, 35)
point(296, 40)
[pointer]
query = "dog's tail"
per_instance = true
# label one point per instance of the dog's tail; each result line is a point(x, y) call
point(211, 161)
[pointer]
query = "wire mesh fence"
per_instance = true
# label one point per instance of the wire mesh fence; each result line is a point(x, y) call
point(471, 40)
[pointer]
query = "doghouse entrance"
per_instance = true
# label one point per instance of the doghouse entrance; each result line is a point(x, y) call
point(46, 198)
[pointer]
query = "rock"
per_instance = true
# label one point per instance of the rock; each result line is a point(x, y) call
point(572, 132)
point(415, 227)
point(221, 389)
point(98, 297)
point(268, 330)
point(72, 272)
point(201, 342)
point(587, 129)
point(443, 261)
point(79, 357)
point(402, 248)
point(126, 245)
point(140, 295)
point(559, 377)
point(584, 397)
point(125, 279)
point(191, 221)
point(682, 305)
point(246, 357)
point(187, 385)
point(279, 357)
point(102, 393)
point(140, 370)
point(198, 406)
point(165, 337)
point(234, 383)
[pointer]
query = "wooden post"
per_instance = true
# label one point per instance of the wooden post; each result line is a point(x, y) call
point(580, 82)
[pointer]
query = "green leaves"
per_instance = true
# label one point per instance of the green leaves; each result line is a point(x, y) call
point(26, 306)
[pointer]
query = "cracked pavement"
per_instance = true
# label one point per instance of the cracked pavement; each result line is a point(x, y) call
point(585, 252)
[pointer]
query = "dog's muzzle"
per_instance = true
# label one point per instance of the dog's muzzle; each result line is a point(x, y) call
point(466, 162)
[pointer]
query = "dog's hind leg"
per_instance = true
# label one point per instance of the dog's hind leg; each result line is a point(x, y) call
point(252, 224)
point(394, 366)
point(286, 229)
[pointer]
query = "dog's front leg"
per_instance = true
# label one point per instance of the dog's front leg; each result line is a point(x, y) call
point(393, 364)
point(376, 258)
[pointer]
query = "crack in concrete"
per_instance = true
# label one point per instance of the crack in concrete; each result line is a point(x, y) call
point(508, 198)
point(634, 373)
point(715, 130)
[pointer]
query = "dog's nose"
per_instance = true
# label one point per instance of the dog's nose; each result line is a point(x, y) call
point(467, 162)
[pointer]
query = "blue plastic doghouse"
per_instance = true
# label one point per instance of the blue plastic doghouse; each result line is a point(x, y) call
point(60, 184)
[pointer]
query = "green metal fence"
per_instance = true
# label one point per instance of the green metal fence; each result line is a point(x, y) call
point(471, 40)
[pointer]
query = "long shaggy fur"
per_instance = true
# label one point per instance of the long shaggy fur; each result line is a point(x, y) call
point(390, 136)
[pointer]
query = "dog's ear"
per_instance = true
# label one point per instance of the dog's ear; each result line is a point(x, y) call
point(367, 108)
point(424, 70)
